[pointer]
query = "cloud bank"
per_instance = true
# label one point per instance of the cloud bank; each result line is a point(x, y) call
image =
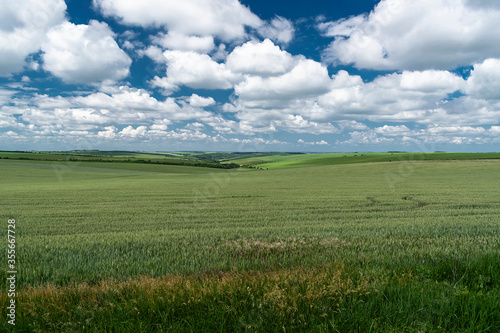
point(213, 73)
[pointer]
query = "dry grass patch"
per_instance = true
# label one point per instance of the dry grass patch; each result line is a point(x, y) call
point(255, 248)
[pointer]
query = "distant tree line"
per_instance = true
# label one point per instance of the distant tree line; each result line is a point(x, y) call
point(205, 164)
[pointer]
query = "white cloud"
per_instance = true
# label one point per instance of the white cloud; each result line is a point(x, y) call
point(155, 132)
point(74, 118)
point(308, 78)
point(484, 81)
point(297, 124)
point(225, 19)
point(296, 102)
point(279, 29)
point(198, 101)
point(494, 131)
point(263, 59)
point(344, 80)
point(160, 124)
point(178, 41)
point(274, 91)
point(195, 70)
point(153, 52)
point(23, 28)
point(342, 27)
point(221, 124)
point(392, 130)
point(195, 126)
point(456, 130)
point(183, 134)
point(133, 132)
point(165, 84)
point(398, 97)
point(220, 53)
point(84, 53)
point(261, 141)
point(5, 96)
point(366, 138)
point(425, 139)
point(130, 40)
point(416, 35)
point(126, 100)
point(7, 120)
point(320, 143)
point(98, 111)
point(109, 133)
point(351, 125)
point(431, 82)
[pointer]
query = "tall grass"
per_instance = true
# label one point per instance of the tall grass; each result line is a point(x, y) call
point(327, 298)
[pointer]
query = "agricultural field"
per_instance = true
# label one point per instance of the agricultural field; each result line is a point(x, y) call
point(284, 161)
point(210, 160)
point(382, 242)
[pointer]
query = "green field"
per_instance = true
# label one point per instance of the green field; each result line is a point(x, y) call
point(410, 245)
point(285, 161)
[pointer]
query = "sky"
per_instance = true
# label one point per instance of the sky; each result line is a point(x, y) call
point(229, 75)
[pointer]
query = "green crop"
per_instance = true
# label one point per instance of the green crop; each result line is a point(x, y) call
point(413, 245)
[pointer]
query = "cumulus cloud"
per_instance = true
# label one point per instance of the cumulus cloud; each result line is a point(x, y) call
point(133, 132)
point(23, 28)
point(484, 81)
point(400, 96)
point(108, 133)
point(297, 124)
point(225, 19)
point(392, 130)
point(307, 78)
point(426, 139)
point(263, 59)
point(5, 96)
point(198, 101)
point(7, 120)
point(261, 141)
point(125, 115)
point(154, 132)
point(98, 111)
point(279, 29)
point(416, 35)
point(250, 68)
point(84, 53)
point(221, 124)
point(342, 27)
point(194, 70)
point(155, 53)
point(178, 41)
point(320, 143)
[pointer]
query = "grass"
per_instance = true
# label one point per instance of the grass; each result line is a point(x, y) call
point(384, 247)
point(285, 161)
point(82, 156)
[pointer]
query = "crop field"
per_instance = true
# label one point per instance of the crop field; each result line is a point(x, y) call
point(410, 245)
point(284, 161)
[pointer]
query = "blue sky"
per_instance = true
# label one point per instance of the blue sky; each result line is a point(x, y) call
point(229, 75)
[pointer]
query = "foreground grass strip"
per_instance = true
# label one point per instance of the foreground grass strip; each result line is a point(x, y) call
point(228, 301)
point(327, 298)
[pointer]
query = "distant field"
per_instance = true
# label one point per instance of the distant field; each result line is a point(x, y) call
point(401, 246)
point(165, 158)
point(267, 161)
point(280, 161)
